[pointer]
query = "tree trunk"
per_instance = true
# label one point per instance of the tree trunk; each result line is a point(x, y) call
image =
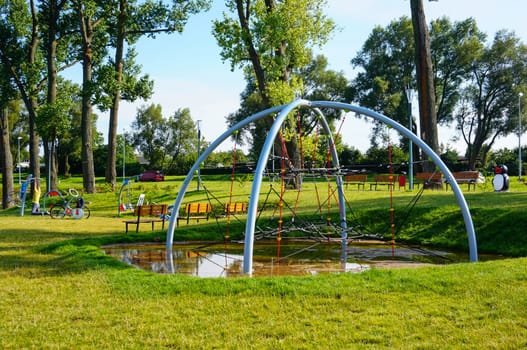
point(111, 172)
point(52, 86)
point(425, 77)
point(88, 171)
point(28, 94)
point(31, 102)
point(6, 160)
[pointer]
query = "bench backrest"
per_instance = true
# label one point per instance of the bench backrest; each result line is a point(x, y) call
point(198, 208)
point(385, 178)
point(466, 175)
point(151, 210)
point(429, 176)
point(350, 178)
point(235, 207)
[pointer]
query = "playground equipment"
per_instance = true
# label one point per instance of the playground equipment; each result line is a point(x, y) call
point(78, 211)
point(501, 181)
point(280, 113)
point(125, 197)
point(20, 198)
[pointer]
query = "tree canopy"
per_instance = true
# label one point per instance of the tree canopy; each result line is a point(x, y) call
point(476, 84)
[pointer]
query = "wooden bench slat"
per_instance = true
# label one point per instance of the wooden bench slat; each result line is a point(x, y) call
point(466, 177)
point(388, 180)
point(355, 179)
point(196, 211)
point(435, 179)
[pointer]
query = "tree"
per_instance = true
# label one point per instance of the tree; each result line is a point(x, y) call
point(23, 64)
point(130, 22)
point(425, 77)
point(323, 84)
point(168, 144)
point(270, 41)
point(181, 144)
point(6, 160)
point(489, 106)
point(8, 93)
point(56, 25)
point(387, 59)
point(70, 147)
point(60, 122)
point(454, 48)
point(94, 39)
point(151, 134)
point(350, 156)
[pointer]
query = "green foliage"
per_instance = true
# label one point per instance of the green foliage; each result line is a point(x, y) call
point(489, 106)
point(181, 142)
point(508, 157)
point(168, 144)
point(277, 37)
point(455, 47)
point(151, 134)
point(132, 87)
point(225, 158)
point(298, 24)
point(380, 155)
point(55, 120)
point(387, 59)
point(349, 156)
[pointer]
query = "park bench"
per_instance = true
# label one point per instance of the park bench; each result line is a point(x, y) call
point(196, 211)
point(355, 179)
point(429, 180)
point(148, 214)
point(471, 178)
point(388, 180)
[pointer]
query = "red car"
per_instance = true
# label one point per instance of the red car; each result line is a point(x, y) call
point(152, 175)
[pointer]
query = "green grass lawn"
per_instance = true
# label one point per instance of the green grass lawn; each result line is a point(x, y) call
point(59, 290)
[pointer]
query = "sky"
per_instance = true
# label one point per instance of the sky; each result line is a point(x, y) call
point(188, 71)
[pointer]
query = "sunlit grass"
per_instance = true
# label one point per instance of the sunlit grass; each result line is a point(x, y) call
point(59, 290)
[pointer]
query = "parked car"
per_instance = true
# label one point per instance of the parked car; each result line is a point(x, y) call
point(152, 175)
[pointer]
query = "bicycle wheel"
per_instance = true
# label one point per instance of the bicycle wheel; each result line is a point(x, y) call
point(86, 212)
point(57, 212)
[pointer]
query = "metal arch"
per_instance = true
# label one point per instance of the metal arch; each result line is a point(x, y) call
point(284, 111)
point(257, 181)
point(469, 225)
point(257, 184)
point(181, 194)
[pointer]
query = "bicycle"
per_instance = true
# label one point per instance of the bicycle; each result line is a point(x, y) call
point(79, 211)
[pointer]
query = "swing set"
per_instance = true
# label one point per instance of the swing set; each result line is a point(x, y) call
point(279, 213)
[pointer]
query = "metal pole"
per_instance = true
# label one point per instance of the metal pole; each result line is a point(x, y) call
point(410, 96)
point(199, 150)
point(124, 155)
point(19, 165)
point(520, 136)
point(49, 165)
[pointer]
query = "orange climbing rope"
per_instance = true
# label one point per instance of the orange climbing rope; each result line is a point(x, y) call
point(231, 187)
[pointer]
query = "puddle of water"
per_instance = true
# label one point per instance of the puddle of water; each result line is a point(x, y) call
point(296, 258)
